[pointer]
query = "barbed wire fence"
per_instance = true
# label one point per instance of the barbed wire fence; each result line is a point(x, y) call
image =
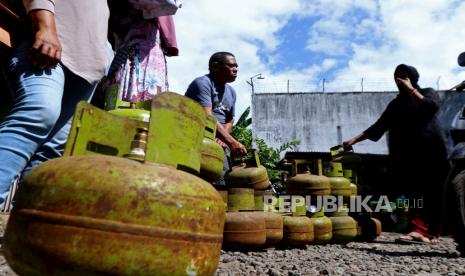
point(344, 85)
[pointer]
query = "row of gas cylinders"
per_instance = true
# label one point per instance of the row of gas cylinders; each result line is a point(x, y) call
point(246, 185)
point(250, 223)
point(268, 229)
point(336, 182)
point(258, 229)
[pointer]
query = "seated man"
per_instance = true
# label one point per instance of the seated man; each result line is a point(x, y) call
point(218, 98)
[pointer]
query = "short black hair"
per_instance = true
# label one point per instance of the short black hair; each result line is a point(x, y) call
point(218, 57)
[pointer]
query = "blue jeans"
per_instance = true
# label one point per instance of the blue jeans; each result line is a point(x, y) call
point(39, 122)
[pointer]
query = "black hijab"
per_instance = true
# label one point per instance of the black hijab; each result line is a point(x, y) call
point(411, 72)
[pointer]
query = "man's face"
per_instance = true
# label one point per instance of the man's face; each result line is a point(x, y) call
point(226, 71)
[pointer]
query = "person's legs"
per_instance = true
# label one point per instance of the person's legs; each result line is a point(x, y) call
point(76, 89)
point(36, 107)
point(226, 168)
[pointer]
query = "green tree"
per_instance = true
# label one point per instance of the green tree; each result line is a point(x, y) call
point(269, 156)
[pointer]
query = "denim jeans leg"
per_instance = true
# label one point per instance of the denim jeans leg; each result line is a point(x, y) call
point(76, 89)
point(37, 96)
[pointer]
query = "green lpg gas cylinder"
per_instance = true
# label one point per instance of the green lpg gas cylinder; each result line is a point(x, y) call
point(306, 184)
point(259, 197)
point(249, 174)
point(99, 214)
point(274, 228)
point(244, 230)
point(211, 165)
point(340, 186)
point(347, 157)
point(344, 226)
point(109, 215)
point(223, 191)
point(298, 231)
point(323, 227)
point(241, 199)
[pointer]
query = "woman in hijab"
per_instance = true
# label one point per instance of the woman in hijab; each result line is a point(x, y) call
point(417, 151)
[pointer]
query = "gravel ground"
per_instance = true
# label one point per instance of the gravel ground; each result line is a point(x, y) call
point(381, 257)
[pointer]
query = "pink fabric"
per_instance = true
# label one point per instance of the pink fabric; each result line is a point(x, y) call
point(156, 8)
point(168, 35)
point(143, 72)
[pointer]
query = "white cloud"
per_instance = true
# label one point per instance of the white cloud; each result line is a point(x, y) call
point(245, 28)
point(428, 34)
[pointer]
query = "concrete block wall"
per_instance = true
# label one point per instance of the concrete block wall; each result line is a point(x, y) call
point(322, 120)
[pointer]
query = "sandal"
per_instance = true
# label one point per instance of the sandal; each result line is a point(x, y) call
point(413, 238)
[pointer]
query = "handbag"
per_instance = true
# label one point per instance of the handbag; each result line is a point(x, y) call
point(155, 8)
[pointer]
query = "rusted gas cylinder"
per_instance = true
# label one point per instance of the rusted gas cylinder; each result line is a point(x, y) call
point(298, 231)
point(244, 230)
point(99, 214)
point(211, 163)
point(340, 186)
point(344, 226)
point(259, 197)
point(249, 174)
point(305, 183)
point(241, 199)
point(322, 227)
point(223, 191)
point(274, 228)
point(370, 228)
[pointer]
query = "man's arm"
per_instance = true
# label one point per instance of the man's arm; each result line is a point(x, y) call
point(224, 135)
point(46, 50)
point(229, 124)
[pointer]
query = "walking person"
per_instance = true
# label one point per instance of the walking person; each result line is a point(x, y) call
point(50, 70)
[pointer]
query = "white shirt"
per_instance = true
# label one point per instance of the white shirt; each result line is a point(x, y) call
point(82, 27)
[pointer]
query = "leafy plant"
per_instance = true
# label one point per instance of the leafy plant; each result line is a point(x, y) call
point(269, 156)
point(241, 130)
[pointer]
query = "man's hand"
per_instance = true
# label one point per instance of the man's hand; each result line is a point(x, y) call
point(238, 149)
point(46, 50)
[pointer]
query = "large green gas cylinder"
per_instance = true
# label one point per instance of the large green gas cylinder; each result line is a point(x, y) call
point(98, 214)
point(211, 165)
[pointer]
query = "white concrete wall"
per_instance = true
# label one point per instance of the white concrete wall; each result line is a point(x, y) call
point(313, 118)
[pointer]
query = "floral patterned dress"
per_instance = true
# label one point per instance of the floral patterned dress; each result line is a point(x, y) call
point(139, 70)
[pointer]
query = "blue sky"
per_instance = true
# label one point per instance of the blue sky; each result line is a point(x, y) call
point(305, 41)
